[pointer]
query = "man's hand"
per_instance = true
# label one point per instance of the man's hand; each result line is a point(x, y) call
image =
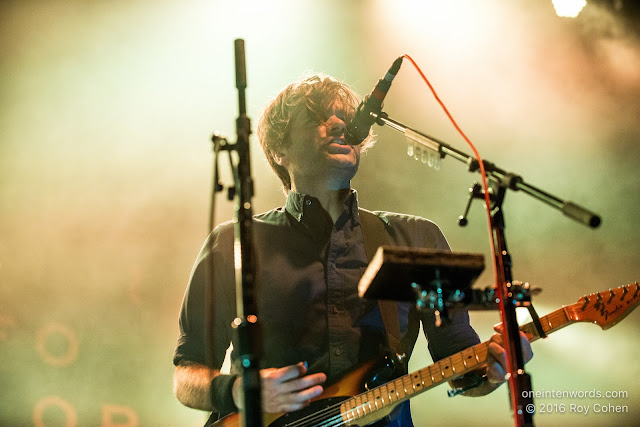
point(284, 389)
point(497, 359)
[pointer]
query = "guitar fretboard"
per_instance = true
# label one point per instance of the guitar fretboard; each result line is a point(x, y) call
point(410, 385)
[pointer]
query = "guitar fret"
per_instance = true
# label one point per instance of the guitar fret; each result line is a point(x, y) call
point(394, 392)
point(550, 322)
point(355, 409)
point(468, 355)
point(376, 393)
point(417, 385)
point(435, 373)
point(385, 392)
point(408, 387)
point(359, 405)
point(400, 388)
point(419, 375)
point(349, 405)
point(527, 330)
point(446, 372)
point(370, 398)
point(560, 319)
point(427, 381)
point(457, 362)
point(365, 406)
point(481, 351)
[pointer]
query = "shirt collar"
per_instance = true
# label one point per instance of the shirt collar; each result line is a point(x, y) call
point(307, 210)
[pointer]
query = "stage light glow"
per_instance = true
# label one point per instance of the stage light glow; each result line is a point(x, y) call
point(455, 23)
point(569, 8)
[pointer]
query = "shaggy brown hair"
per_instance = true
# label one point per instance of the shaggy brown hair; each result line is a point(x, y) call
point(312, 95)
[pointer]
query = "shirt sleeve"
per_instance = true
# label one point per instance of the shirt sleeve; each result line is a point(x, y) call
point(451, 337)
point(191, 338)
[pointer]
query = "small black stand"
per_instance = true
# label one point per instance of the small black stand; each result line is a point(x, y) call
point(407, 268)
point(435, 280)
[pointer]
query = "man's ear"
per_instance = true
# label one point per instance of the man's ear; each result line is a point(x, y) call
point(281, 158)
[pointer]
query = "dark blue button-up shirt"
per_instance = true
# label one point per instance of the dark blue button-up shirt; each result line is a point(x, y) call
point(308, 269)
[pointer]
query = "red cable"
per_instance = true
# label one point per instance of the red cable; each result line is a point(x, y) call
point(498, 272)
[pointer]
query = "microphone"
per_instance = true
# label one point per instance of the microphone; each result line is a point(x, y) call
point(358, 128)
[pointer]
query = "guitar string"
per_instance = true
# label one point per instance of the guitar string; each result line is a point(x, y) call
point(338, 418)
point(322, 413)
point(314, 417)
point(418, 374)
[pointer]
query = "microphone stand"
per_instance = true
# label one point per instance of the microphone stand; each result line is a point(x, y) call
point(246, 323)
point(246, 326)
point(519, 380)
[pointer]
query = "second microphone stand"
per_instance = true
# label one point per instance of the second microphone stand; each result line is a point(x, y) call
point(519, 380)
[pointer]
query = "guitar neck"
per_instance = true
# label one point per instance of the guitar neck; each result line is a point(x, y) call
point(410, 385)
point(550, 323)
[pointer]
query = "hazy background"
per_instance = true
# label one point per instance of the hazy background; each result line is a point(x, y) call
point(106, 110)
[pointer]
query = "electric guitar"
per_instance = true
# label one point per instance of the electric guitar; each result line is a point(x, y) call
point(345, 403)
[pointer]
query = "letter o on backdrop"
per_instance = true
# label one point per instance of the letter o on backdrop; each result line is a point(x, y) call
point(44, 403)
point(41, 344)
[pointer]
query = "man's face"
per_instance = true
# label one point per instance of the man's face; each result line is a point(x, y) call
point(317, 153)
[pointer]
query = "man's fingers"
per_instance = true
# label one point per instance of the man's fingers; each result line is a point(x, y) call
point(495, 373)
point(297, 401)
point(286, 402)
point(527, 352)
point(287, 373)
point(497, 360)
point(308, 394)
point(496, 338)
point(303, 383)
point(289, 389)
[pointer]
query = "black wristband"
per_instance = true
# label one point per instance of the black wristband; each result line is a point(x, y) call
point(222, 395)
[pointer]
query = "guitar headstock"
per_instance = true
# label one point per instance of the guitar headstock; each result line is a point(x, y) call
point(606, 308)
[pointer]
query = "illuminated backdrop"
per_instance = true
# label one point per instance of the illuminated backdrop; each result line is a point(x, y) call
point(106, 109)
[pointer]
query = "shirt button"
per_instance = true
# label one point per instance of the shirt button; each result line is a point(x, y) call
point(308, 202)
point(334, 310)
point(338, 352)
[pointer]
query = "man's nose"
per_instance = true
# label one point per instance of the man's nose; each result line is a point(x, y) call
point(336, 126)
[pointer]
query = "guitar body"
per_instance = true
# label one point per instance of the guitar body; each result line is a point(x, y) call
point(325, 410)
